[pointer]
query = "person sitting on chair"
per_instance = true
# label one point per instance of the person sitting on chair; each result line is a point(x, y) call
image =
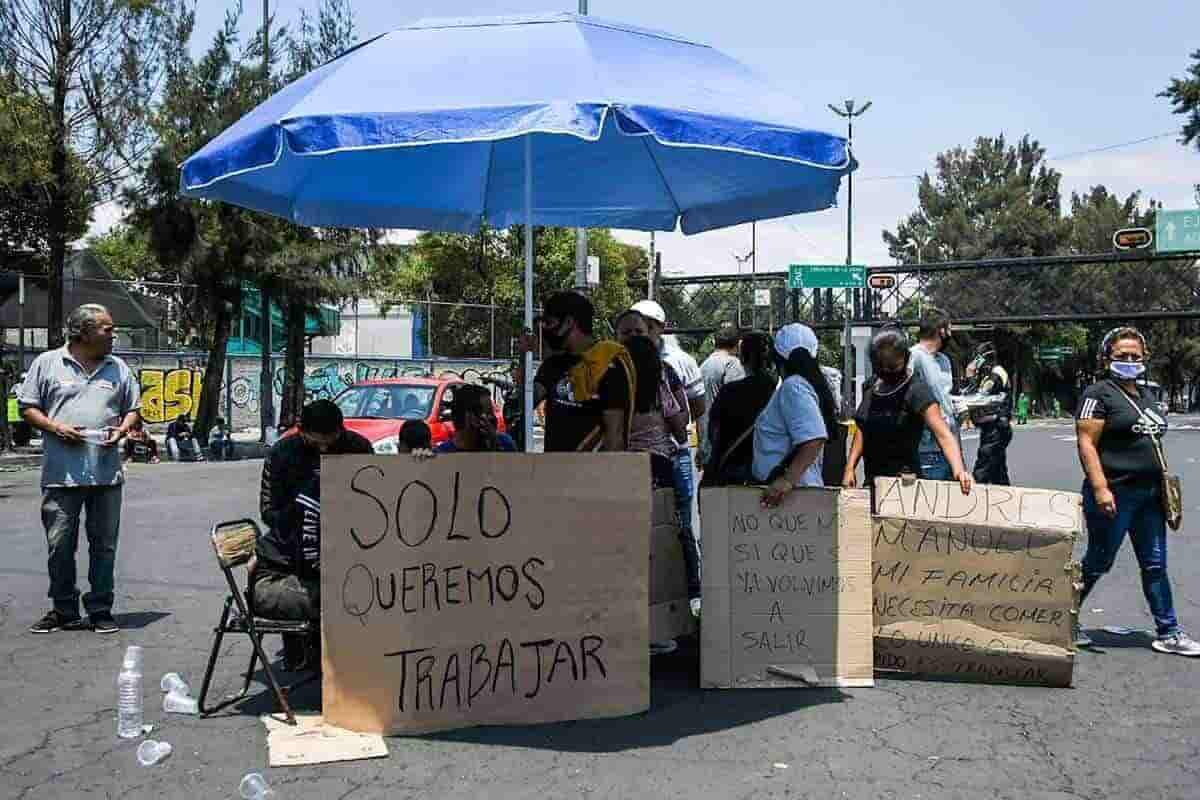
point(286, 583)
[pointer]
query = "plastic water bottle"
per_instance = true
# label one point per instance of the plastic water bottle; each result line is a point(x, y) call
point(254, 787)
point(129, 695)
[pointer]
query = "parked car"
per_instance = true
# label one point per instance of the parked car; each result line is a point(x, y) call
point(377, 409)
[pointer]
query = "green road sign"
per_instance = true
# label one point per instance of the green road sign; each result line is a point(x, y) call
point(1176, 231)
point(826, 276)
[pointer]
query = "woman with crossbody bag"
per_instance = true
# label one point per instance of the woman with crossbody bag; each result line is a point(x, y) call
point(736, 407)
point(1127, 487)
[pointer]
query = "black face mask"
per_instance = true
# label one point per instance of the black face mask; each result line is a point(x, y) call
point(555, 339)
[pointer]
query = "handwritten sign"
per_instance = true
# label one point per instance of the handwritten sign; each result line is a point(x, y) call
point(483, 589)
point(786, 590)
point(979, 587)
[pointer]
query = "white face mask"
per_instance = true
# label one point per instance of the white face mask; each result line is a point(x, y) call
point(1127, 370)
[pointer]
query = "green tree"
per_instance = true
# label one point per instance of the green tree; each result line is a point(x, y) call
point(1184, 94)
point(89, 70)
point(126, 252)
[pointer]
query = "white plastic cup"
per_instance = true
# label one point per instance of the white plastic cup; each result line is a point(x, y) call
point(254, 787)
point(151, 752)
point(172, 682)
point(178, 703)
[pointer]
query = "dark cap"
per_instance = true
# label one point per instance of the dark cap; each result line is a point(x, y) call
point(561, 305)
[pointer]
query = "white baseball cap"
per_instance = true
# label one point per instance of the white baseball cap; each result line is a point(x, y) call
point(650, 310)
point(789, 337)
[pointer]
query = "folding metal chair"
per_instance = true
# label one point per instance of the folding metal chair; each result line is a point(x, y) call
point(234, 542)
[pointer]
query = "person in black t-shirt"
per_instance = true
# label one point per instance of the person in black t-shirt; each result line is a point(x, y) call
point(736, 407)
point(896, 408)
point(139, 447)
point(1117, 430)
point(587, 385)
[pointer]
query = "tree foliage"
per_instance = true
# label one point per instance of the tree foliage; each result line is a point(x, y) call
point(87, 71)
point(1184, 94)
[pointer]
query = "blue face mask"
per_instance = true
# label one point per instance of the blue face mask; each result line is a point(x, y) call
point(1127, 370)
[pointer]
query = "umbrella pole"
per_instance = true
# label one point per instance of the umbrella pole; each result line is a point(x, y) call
point(528, 371)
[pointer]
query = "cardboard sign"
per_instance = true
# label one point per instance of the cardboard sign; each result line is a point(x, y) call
point(670, 613)
point(786, 590)
point(484, 589)
point(978, 587)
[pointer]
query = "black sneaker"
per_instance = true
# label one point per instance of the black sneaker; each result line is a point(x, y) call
point(55, 621)
point(103, 622)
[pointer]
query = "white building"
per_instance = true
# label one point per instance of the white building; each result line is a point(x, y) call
point(366, 330)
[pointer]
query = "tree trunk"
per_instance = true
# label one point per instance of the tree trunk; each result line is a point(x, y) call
point(293, 372)
point(266, 381)
point(214, 372)
point(60, 180)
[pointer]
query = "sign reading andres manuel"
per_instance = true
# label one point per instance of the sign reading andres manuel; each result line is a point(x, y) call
point(483, 589)
point(978, 587)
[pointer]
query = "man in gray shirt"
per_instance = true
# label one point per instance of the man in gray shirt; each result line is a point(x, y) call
point(933, 366)
point(720, 368)
point(85, 400)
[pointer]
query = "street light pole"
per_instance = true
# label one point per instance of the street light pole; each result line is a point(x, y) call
point(849, 113)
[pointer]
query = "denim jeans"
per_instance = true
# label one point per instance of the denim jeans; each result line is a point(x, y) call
point(685, 490)
point(935, 467)
point(61, 509)
point(1139, 512)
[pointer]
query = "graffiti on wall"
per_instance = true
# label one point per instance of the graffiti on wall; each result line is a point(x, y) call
point(171, 384)
point(169, 394)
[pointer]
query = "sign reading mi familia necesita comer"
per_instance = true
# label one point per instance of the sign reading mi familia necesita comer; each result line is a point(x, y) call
point(978, 587)
point(482, 589)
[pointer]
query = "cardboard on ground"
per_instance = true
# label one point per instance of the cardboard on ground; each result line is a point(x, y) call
point(312, 741)
point(484, 589)
point(979, 587)
point(787, 590)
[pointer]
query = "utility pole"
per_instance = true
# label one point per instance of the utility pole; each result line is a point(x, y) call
point(849, 113)
point(581, 242)
point(20, 324)
point(741, 260)
point(753, 275)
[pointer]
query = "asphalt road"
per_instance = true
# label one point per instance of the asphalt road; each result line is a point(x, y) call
point(1129, 727)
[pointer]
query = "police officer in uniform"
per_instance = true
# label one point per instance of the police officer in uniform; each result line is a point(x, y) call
point(988, 398)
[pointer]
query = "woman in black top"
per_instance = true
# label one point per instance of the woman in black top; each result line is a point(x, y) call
point(737, 406)
point(1118, 431)
point(895, 409)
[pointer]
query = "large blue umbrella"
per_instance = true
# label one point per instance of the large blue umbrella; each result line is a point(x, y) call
point(544, 120)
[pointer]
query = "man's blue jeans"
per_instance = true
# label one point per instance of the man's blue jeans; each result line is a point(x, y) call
point(685, 490)
point(61, 509)
point(1139, 512)
point(935, 467)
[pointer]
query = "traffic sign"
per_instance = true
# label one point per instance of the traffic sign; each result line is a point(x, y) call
point(1132, 238)
point(762, 297)
point(826, 276)
point(882, 280)
point(1177, 231)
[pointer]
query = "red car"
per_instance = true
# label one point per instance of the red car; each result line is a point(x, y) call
point(376, 409)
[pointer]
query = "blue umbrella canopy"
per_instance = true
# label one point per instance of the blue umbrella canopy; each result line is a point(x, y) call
point(427, 126)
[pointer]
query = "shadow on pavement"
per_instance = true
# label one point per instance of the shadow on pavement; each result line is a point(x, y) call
point(1102, 639)
point(139, 619)
point(678, 709)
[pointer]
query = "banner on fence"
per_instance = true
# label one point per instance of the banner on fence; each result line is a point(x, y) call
point(787, 591)
point(482, 589)
point(977, 587)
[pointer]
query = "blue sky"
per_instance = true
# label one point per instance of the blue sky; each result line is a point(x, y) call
point(1076, 75)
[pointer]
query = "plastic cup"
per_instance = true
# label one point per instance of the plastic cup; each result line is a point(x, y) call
point(151, 752)
point(254, 787)
point(176, 703)
point(172, 682)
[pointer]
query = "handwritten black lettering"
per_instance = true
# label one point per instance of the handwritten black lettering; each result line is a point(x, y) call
point(483, 493)
point(432, 517)
point(450, 534)
point(526, 570)
point(382, 508)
